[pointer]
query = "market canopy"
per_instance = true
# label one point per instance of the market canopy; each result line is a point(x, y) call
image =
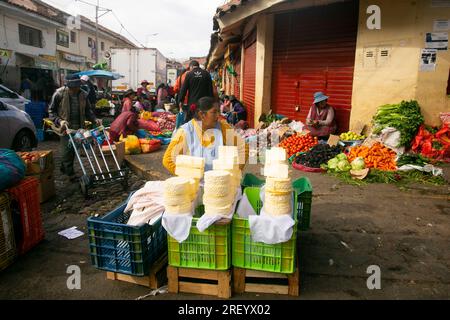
point(100, 74)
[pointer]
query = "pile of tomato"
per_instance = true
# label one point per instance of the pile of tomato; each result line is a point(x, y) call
point(299, 143)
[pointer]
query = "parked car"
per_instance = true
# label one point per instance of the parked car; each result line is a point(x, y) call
point(18, 131)
point(10, 97)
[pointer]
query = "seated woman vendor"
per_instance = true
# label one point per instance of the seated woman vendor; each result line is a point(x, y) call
point(321, 118)
point(202, 136)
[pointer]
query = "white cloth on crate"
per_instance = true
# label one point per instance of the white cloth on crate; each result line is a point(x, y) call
point(264, 227)
point(208, 220)
point(245, 209)
point(146, 204)
point(271, 230)
point(178, 226)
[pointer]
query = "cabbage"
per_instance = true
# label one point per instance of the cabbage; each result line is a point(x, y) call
point(344, 166)
point(358, 164)
point(341, 157)
point(333, 164)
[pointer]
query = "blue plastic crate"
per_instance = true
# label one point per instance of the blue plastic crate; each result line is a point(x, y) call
point(117, 247)
point(36, 109)
point(40, 135)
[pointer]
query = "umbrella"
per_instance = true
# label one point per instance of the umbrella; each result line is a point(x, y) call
point(100, 74)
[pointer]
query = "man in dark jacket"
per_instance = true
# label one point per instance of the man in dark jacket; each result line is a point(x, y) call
point(198, 83)
point(70, 108)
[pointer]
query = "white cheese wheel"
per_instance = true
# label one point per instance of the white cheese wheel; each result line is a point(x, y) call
point(217, 211)
point(275, 155)
point(227, 164)
point(272, 198)
point(276, 185)
point(171, 200)
point(217, 178)
point(217, 190)
point(280, 171)
point(218, 201)
point(190, 162)
point(278, 210)
point(176, 186)
point(179, 209)
point(189, 172)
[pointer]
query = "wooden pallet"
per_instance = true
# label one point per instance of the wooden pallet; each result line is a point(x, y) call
point(156, 279)
point(243, 282)
point(193, 281)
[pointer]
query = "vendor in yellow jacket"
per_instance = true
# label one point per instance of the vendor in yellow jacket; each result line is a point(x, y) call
point(202, 137)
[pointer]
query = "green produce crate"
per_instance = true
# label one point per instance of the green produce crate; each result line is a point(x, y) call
point(304, 191)
point(208, 250)
point(247, 254)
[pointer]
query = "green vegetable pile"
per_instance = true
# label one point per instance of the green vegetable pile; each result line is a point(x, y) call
point(405, 117)
point(400, 178)
point(338, 164)
point(414, 159)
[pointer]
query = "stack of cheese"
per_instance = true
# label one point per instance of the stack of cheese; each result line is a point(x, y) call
point(229, 161)
point(278, 197)
point(218, 197)
point(179, 193)
point(190, 167)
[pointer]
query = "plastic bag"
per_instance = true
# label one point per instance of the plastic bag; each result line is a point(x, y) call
point(12, 169)
point(132, 145)
point(391, 137)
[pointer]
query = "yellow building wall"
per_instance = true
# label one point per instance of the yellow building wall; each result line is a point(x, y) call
point(380, 80)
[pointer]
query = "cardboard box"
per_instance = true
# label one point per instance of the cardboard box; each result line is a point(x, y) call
point(119, 151)
point(47, 188)
point(45, 163)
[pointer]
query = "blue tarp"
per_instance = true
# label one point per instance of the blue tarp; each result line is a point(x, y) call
point(100, 74)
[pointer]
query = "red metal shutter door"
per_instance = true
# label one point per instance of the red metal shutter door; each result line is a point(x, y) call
point(249, 82)
point(237, 80)
point(314, 50)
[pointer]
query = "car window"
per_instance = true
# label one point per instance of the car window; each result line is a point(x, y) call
point(4, 93)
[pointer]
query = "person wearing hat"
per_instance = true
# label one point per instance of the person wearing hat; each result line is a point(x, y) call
point(70, 108)
point(143, 90)
point(321, 118)
point(128, 103)
point(237, 112)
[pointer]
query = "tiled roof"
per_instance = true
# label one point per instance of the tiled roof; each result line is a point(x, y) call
point(45, 10)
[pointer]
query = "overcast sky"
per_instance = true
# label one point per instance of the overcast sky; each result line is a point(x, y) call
point(183, 27)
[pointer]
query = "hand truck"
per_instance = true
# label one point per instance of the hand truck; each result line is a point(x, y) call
point(89, 141)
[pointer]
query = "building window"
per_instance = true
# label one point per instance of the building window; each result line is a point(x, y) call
point(30, 36)
point(90, 43)
point(103, 46)
point(73, 37)
point(62, 38)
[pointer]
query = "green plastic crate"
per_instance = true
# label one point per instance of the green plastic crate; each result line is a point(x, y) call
point(251, 180)
point(304, 192)
point(247, 254)
point(208, 250)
